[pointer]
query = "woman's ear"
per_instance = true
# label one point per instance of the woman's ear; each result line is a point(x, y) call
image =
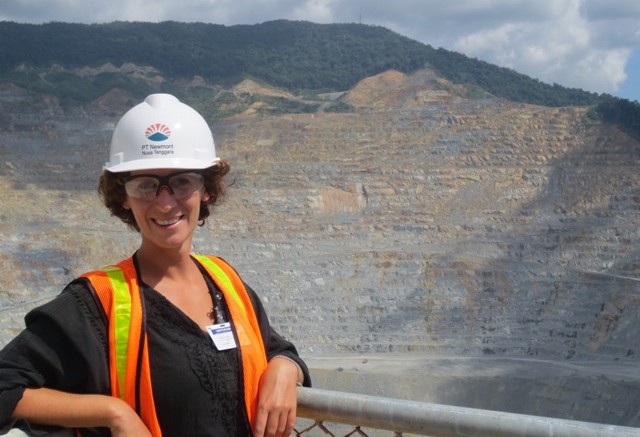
point(205, 196)
point(125, 204)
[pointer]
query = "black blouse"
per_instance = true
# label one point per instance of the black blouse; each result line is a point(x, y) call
point(197, 389)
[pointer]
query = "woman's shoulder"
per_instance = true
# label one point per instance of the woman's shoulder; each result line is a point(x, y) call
point(76, 301)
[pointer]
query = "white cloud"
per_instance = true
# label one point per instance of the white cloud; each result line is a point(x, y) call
point(552, 40)
point(319, 11)
point(543, 48)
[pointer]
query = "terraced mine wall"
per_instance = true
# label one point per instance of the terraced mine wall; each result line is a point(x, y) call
point(473, 252)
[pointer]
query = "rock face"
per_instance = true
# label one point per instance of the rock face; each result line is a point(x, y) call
point(423, 224)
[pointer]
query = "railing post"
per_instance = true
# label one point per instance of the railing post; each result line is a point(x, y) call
point(441, 420)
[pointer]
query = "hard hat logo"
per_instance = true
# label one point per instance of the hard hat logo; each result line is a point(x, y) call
point(158, 132)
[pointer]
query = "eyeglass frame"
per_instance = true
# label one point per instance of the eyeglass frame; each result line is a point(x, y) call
point(163, 181)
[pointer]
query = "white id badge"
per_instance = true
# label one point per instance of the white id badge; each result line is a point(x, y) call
point(222, 336)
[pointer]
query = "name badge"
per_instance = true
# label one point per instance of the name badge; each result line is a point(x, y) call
point(222, 336)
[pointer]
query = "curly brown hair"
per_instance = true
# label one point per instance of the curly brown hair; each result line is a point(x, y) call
point(113, 195)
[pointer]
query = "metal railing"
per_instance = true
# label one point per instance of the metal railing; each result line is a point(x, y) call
point(325, 408)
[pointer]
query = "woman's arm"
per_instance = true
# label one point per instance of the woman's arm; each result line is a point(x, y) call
point(277, 399)
point(63, 347)
point(52, 407)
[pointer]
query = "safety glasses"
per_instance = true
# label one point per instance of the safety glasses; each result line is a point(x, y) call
point(147, 186)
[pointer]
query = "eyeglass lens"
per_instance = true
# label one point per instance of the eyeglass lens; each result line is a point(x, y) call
point(147, 186)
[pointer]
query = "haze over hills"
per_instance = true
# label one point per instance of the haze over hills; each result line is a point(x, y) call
point(490, 246)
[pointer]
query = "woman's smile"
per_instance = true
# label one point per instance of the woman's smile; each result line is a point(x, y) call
point(169, 221)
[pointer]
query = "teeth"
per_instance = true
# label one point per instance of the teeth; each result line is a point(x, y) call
point(168, 221)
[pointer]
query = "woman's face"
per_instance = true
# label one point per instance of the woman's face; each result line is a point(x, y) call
point(166, 220)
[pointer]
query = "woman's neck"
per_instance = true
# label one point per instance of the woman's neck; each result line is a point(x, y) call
point(157, 265)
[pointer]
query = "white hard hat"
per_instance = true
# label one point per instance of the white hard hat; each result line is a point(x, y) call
point(161, 132)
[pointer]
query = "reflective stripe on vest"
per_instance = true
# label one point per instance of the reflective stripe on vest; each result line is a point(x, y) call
point(129, 372)
point(121, 322)
point(118, 291)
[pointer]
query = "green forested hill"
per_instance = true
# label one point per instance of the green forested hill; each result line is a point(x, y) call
point(288, 54)
point(294, 55)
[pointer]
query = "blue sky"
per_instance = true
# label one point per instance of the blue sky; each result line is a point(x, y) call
point(593, 45)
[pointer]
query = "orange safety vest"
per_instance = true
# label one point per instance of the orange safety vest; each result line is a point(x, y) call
point(119, 293)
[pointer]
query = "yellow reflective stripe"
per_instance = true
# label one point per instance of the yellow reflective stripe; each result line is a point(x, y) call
point(221, 276)
point(122, 321)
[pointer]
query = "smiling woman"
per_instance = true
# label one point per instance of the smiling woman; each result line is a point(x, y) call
point(165, 342)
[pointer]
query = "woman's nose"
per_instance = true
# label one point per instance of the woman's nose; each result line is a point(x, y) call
point(165, 196)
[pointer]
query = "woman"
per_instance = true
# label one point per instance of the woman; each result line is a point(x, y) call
point(165, 342)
